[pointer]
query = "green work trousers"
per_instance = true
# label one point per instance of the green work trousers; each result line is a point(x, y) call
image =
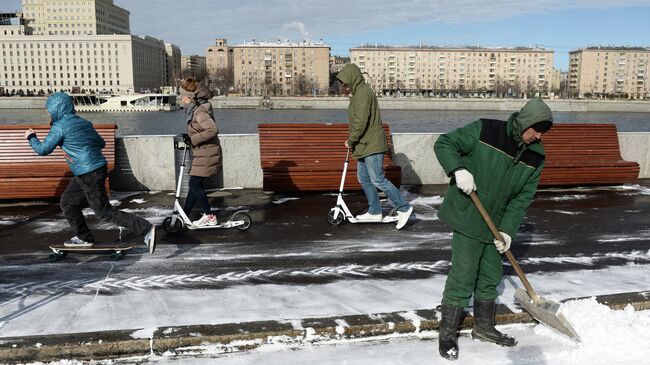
point(475, 269)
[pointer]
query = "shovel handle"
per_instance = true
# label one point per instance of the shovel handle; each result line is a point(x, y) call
point(495, 232)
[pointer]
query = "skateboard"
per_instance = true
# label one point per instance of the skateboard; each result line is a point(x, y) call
point(116, 249)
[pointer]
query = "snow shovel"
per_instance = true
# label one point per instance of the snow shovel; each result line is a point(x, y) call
point(543, 310)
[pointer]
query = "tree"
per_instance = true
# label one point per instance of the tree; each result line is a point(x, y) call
point(302, 85)
point(223, 79)
point(199, 75)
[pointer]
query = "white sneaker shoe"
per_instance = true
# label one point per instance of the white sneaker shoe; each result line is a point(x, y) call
point(206, 220)
point(367, 217)
point(77, 242)
point(403, 217)
point(151, 239)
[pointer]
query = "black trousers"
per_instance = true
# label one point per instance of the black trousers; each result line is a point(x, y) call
point(90, 188)
point(196, 194)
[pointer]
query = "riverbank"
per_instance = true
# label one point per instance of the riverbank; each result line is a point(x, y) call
point(302, 103)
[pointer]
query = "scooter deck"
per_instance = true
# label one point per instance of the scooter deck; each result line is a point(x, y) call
point(227, 224)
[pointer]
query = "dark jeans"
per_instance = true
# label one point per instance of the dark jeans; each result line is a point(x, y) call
point(90, 188)
point(195, 194)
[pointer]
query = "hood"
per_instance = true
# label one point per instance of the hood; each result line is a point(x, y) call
point(533, 112)
point(59, 105)
point(351, 75)
point(203, 93)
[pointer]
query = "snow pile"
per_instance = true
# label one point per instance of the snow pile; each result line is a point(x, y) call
point(607, 336)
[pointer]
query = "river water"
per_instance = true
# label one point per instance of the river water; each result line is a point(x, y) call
point(237, 121)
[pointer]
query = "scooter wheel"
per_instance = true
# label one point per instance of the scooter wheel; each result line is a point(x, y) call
point(334, 221)
point(171, 229)
point(243, 216)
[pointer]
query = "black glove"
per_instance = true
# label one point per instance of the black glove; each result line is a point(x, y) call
point(187, 139)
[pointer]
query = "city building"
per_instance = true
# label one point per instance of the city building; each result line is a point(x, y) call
point(219, 60)
point(337, 63)
point(609, 72)
point(194, 66)
point(477, 71)
point(13, 24)
point(219, 56)
point(98, 63)
point(173, 65)
point(80, 46)
point(281, 68)
point(87, 17)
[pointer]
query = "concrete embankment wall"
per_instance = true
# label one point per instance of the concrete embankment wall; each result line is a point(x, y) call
point(390, 103)
point(437, 104)
point(151, 162)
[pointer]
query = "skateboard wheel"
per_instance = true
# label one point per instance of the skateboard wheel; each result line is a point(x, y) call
point(53, 257)
point(115, 256)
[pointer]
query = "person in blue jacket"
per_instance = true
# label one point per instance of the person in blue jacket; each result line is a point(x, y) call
point(82, 148)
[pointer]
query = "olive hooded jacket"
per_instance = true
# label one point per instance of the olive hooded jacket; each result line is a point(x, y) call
point(506, 171)
point(367, 135)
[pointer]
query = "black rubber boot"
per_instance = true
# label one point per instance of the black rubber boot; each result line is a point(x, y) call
point(484, 319)
point(448, 331)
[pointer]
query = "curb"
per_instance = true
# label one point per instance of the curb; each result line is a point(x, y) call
point(249, 335)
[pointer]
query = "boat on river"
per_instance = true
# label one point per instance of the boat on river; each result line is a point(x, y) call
point(119, 103)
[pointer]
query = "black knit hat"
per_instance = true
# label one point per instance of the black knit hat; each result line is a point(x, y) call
point(543, 126)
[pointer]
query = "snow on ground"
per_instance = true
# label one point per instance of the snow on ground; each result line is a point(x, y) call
point(608, 337)
point(147, 302)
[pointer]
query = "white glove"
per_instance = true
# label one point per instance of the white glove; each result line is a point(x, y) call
point(465, 181)
point(503, 246)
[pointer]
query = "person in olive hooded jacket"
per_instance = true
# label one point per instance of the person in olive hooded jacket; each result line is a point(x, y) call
point(82, 148)
point(501, 161)
point(367, 141)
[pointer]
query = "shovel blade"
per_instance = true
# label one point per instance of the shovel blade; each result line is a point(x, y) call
point(546, 312)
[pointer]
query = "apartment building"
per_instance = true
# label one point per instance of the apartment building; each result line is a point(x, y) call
point(431, 70)
point(173, 63)
point(606, 72)
point(81, 17)
point(115, 63)
point(218, 56)
point(194, 65)
point(281, 68)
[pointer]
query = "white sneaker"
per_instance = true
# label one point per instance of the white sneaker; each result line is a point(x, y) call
point(367, 217)
point(77, 242)
point(403, 217)
point(151, 239)
point(206, 220)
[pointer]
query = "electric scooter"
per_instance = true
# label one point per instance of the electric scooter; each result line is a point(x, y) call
point(341, 211)
point(179, 219)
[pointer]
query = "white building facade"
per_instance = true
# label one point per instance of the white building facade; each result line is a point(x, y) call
point(99, 63)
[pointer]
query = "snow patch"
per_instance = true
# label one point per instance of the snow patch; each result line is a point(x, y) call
point(144, 333)
point(428, 201)
point(413, 318)
point(342, 325)
point(283, 200)
point(564, 212)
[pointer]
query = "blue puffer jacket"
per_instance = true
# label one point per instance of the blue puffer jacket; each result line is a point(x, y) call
point(80, 142)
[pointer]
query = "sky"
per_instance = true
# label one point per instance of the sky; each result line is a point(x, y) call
point(561, 25)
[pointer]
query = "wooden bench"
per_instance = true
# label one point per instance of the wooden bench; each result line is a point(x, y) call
point(26, 175)
point(585, 154)
point(310, 157)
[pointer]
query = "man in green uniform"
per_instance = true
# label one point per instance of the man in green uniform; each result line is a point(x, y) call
point(367, 140)
point(501, 161)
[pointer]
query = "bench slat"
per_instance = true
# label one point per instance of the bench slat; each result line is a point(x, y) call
point(26, 175)
point(309, 157)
